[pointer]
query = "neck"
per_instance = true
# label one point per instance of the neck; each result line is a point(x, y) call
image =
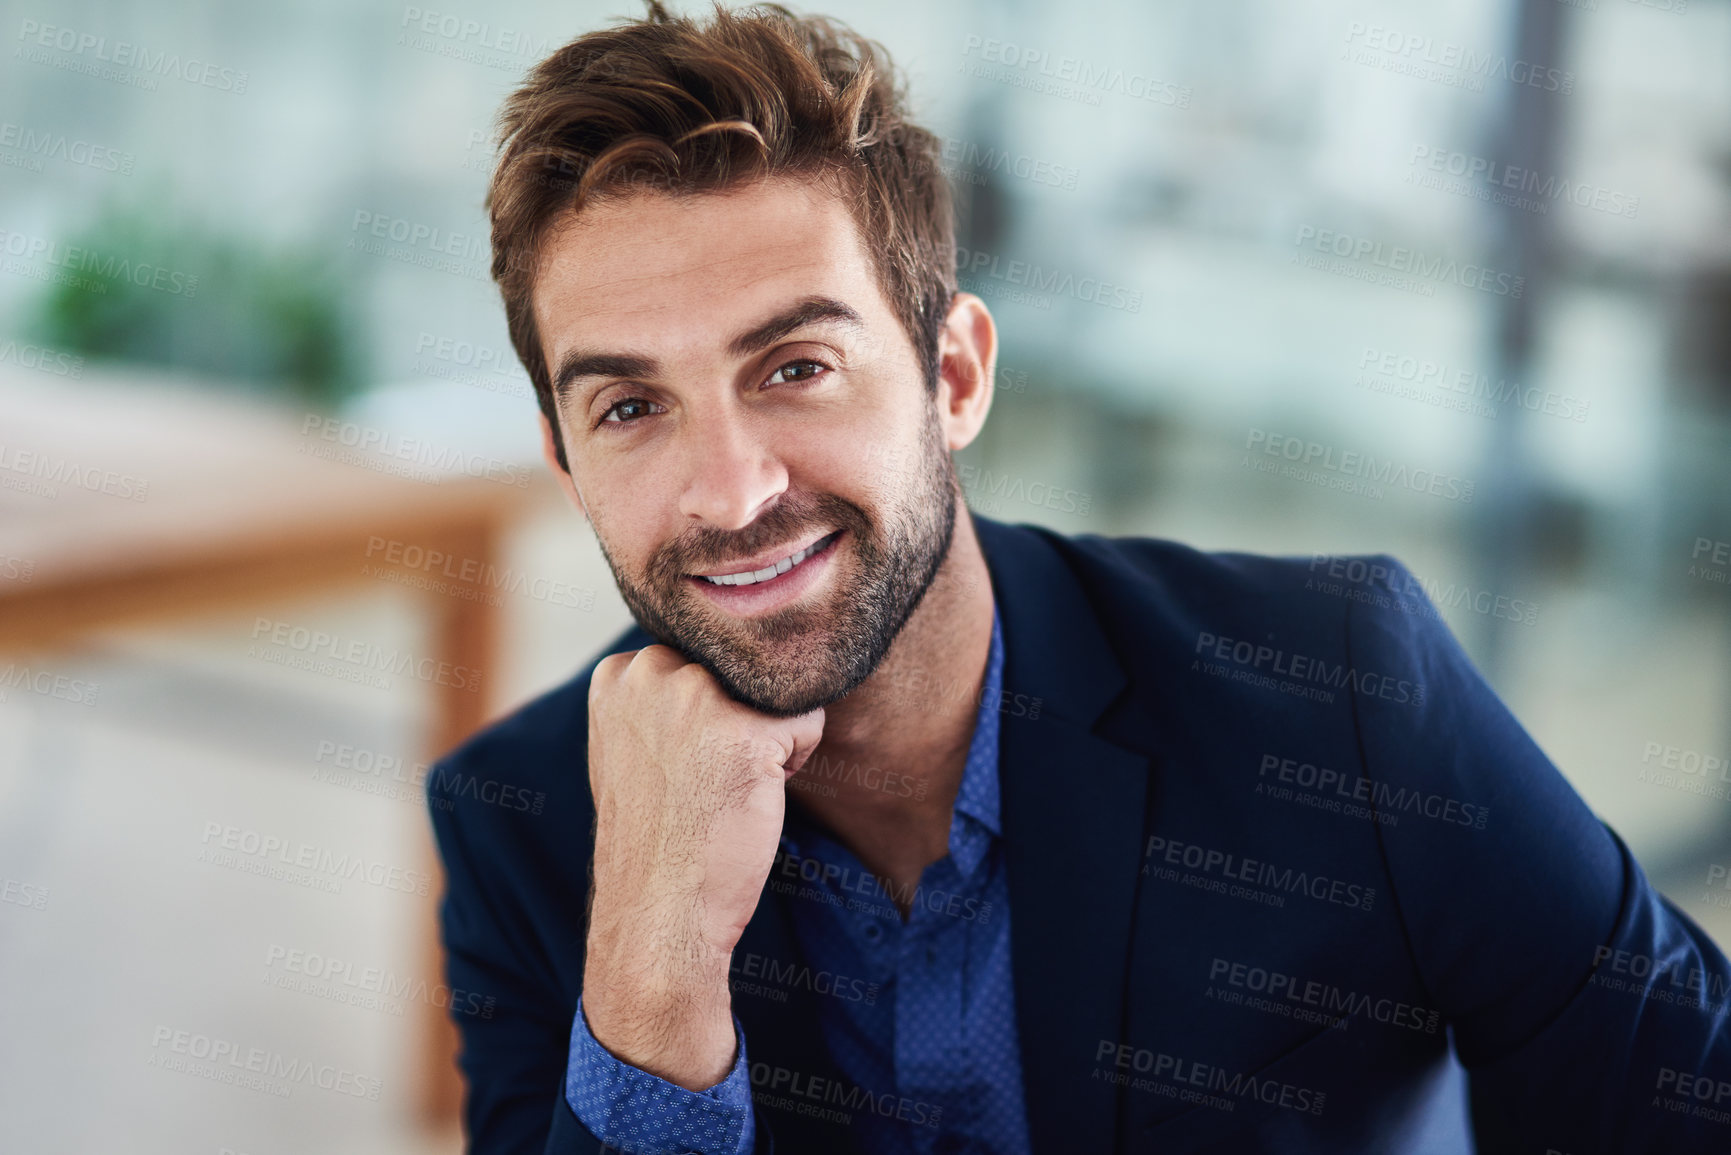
point(885, 776)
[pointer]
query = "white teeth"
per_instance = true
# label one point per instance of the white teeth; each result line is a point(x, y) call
point(753, 577)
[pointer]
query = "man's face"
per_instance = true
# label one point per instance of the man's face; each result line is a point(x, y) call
point(735, 392)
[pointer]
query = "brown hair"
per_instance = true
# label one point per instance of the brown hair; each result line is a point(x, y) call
point(666, 104)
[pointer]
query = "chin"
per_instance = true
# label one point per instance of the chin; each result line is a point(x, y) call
point(783, 696)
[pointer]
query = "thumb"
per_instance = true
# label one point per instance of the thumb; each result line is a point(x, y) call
point(805, 731)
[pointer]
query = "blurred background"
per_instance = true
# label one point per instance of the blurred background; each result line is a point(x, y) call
point(1451, 282)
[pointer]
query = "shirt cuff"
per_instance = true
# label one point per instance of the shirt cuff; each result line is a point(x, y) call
point(631, 1110)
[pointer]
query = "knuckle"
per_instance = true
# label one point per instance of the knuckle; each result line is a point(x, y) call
point(659, 658)
point(607, 672)
point(695, 688)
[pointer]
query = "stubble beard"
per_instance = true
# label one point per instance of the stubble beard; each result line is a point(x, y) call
point(802, 657)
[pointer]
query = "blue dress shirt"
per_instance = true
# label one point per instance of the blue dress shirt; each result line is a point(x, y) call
point(918, 1016)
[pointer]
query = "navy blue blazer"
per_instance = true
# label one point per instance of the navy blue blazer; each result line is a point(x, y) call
point(1280, 866)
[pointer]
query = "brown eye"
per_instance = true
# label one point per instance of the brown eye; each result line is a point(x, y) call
point(629, 410)
point(807, 370)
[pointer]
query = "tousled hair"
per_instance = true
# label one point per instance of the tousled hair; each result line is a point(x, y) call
point(666, 104)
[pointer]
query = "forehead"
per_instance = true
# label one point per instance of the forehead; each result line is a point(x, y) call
point(651, 270)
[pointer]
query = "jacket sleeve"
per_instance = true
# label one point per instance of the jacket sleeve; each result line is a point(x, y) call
point(516, 1053)
point(1589, 1012)
point(513, 1060)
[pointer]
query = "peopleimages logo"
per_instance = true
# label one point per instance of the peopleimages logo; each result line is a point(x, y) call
point(1052, 282)
point(1445, 62)
point(23, 894)
point(1332, 1002)
point(1069, 76)
point(40, 144)
point(478, 33)
point(821, 774)
point(1366, 467)
point(1710, 561)
point(47, 683)
point(1189, 1074)
point(1405, 375)
point(225, 1061)
point(795, 868)
point(367, 987)
point(1368, 581)
point(28, 356)
point(972, 163)
point(1390, 801)
point(418, 234)
point(1527, 189)
point(1685, 986)
point(417, 243)
point(472, 579)
point(784, 1087)
point(1396, 265)
point(46, 472)
point(1255, 872)
point(485, 367)
point(88, 52)
point(385, 451)
point(1251, 658)
point(302, 647)
point(1677, 1087)
point(253, 852)
point(1681, 768)
point(472, 41)
point(76, 259)
point(788, 976)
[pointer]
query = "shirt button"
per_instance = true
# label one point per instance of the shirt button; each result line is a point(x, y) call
point(931, 955)
point(873, 931)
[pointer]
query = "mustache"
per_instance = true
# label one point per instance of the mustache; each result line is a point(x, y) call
point(701, 548)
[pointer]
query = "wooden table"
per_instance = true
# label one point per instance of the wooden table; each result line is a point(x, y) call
point(133, 501)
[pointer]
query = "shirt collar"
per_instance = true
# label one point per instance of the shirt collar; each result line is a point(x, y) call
point(976, 819)
point(978, 796)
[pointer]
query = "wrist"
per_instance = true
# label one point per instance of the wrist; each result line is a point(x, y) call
point(683, 1035)
point(659, 946)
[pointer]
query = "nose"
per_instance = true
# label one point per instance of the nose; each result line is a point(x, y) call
point(732, 473)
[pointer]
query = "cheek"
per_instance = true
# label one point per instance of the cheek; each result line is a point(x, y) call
point(626, 516)
point(858, 465)
point(873, 453)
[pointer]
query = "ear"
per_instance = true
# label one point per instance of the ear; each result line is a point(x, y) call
point(559, 472)
point(967, 361)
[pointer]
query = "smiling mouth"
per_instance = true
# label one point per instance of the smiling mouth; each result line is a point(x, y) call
point(752, 577)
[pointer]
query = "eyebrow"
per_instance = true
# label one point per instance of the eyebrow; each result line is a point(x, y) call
point(579, 363)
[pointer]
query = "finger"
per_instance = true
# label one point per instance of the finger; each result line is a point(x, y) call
point(804, 732)
point(608, 671)
point(659, 660)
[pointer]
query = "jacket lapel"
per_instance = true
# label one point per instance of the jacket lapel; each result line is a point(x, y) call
point(784, 1043)
point(1074, 812)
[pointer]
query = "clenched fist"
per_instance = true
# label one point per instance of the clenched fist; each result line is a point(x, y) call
point(689, 796)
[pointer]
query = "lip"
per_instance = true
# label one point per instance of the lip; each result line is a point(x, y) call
point(781, 590)
point(766, 558)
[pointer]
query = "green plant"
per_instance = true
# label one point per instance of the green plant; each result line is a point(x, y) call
point(141, 288)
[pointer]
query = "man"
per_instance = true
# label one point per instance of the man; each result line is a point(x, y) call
point(890, 828)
